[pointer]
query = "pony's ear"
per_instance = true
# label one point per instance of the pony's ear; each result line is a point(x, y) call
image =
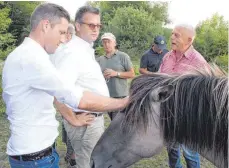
point(162, 93)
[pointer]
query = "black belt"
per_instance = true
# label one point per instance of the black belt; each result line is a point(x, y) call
point(95, 114)
point(34, 156)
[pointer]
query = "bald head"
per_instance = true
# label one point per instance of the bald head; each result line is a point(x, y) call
point(182, 37)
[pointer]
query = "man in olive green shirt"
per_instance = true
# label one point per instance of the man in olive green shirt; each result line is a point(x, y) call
point(116, 67)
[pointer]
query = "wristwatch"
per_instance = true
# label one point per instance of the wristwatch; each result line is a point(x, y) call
point(118, 74)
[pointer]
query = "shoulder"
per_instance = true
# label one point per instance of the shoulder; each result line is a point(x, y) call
point(122, 54)
point(146, 53)
point(100, 58)
point(198, 57)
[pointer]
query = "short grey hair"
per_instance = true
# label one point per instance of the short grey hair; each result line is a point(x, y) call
point(71, 29)
point(85, 9)
point(188, 27)
point(49, 11)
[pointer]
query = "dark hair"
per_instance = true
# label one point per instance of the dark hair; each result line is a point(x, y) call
point(85, 9)
point(49, 11)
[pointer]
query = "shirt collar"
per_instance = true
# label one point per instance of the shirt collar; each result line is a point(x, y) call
point(85, 43)
point(115, 53)
point(33, 43)
point(187, 53)
point(153, 51)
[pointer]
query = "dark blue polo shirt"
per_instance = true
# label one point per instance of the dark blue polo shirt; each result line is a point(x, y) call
point(152, 60)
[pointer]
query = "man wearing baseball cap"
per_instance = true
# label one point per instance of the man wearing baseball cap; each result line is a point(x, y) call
point(151, 59)
point(116, 67)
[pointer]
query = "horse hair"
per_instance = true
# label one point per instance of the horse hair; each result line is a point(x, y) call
point(196, 113)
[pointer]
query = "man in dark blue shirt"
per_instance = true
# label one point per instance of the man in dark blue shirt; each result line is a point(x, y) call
point(152, 58)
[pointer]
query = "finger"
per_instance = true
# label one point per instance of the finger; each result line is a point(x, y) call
point(88, 122)
point(107, 73)
point(82, 114)
point(89, 115)
point(90, 119)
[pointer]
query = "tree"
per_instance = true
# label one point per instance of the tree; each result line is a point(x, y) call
point(134, 29)
point(134, 23)
point(20, 16)
point(6, 39)
point(212, 37)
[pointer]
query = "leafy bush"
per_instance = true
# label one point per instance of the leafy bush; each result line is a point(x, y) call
point(222, 61)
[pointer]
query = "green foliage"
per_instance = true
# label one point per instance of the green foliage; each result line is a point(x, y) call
point(14, 24)
point(212, 37)
point(20, 16)
point(136, 69)
point(134, 23)
point(99, 51)
point(222, 61)
point(167, 33)
point(6, 39)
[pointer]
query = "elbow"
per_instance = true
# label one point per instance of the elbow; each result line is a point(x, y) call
point(83, 105)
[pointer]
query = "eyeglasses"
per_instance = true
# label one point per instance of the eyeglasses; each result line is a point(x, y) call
point(92, 26)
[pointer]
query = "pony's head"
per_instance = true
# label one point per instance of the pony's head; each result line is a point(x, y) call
point(132, 135)
point(160, 108)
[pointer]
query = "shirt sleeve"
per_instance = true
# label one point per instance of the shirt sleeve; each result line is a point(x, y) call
point(143, 62)
point(43, 76)
point(127, 63)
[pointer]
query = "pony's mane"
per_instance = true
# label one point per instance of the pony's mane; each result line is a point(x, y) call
point(195, 114)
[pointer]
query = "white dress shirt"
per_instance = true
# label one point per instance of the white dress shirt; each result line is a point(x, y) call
point(29, 83)
point(76, 62)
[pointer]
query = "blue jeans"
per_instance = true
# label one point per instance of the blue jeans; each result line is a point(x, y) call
point(192, 158)
point(51, 161)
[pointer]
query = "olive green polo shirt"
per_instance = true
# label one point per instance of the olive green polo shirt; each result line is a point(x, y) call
point(119, 62)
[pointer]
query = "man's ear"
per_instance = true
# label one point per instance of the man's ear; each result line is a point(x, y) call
point(45, 25)
point(77, 25)
point(189, 40)
point(162, 93)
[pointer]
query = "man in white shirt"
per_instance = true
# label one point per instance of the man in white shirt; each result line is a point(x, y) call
point(76, 62)
point(30, 82)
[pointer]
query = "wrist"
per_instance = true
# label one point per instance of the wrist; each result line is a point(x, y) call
point(118, 74)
